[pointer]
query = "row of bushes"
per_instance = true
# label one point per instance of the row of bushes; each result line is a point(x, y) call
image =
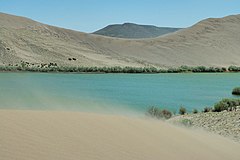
point(82, 69)
point(158, 113)
point(234, 69)
point(225, 104)
point(54, 68)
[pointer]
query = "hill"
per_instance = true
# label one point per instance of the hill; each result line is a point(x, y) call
point(134, 31)
point(211, 42)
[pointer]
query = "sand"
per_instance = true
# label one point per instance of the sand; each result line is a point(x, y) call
point(56, 135)
point(211, 42)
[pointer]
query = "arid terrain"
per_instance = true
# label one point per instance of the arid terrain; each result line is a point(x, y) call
point(211, 42)
point(226, 124)
point(48, 135)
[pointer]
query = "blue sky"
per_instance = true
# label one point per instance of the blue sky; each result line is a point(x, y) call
point(91, 15)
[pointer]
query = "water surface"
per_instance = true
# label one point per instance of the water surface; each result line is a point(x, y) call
point(114, 93)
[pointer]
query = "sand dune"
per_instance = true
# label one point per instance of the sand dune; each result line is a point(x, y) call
point(211, 42)
point(48, 135)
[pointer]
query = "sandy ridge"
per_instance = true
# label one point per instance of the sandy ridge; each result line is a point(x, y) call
point(211, 42)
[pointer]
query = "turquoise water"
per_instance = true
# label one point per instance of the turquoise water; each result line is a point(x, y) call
point(114, 93)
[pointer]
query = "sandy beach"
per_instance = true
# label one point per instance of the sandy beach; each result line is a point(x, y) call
point(48, 135)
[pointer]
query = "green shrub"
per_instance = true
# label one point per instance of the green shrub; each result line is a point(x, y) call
point(166, 114)
point(185, 69)
point(199, 69)
point(236, 91)
point(186, 122)
point(158, 113)
point(152, 111)
point(226, 104)
point(233, 69)
point(207, 109)
point(195, 111)
point(182, 111)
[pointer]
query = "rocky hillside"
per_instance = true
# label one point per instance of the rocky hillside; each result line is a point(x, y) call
point(134, 31)
point(223, 123)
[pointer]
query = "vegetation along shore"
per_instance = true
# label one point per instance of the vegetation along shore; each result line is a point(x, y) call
point(223, 118)
point(53, 67)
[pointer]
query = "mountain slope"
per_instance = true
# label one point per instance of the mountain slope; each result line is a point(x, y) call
point(134, 31)
point(211, 42)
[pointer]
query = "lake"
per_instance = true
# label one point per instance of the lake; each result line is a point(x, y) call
point(114, 93)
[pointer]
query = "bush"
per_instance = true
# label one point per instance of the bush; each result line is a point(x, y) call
point(182, 111)
point(186, 122)
point(152, 111)
point(199, 69)
point(195, 111)
point(226, 104)
point(158, 113)
point(233, 69)
point(166, 114)
point(236, 91)
point(207, 109)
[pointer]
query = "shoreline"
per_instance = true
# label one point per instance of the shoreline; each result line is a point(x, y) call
point(118, 73)
point(117, 70)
